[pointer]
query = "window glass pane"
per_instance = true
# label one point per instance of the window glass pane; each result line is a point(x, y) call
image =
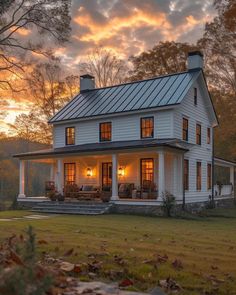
point(105, 131)
point(69, 173)
point(198, 134)
point(147, 127)
point(147, 170)
point(185, 129)
point(209, 176)
point(199, 176)
point(70, 135)
point(186, 174)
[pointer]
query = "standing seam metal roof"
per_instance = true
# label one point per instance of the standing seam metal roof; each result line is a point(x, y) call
point(140, 95)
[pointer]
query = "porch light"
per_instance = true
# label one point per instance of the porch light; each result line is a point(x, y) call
point(89, 172)
point(121, 171)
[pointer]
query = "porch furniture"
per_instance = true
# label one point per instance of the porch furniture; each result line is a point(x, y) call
point(125, 190)
point(148, 190)
point(49, 188)
point(88, 192)
point(71, 190)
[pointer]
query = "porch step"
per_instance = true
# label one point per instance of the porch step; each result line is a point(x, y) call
point(83, 208)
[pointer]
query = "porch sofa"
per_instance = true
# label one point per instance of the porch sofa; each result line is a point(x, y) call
point(85, 192)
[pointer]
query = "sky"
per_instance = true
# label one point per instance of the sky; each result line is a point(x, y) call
point(126, 27)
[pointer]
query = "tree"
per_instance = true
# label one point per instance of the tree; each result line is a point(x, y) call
point(219, 44)
point(164, 58)
point(105, 67)
point(45, 18)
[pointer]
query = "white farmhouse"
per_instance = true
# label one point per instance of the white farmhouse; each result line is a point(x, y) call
point(134, 142)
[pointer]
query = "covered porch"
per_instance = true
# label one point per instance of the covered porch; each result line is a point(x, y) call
point(140, 174)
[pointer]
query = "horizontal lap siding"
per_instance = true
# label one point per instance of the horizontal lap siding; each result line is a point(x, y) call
point(203, 153)
point(123, 128)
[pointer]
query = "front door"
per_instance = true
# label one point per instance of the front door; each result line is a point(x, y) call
point(147, 170)
point(106, 174)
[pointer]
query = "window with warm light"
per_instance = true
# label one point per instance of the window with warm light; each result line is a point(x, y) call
point(147, 170)
point(185, 129)
point(105, 131)
point(147, 127)
point(199, 176)
point(209, 176)
point(70, 135)
point(198, 134)
point(69, 173)
point(186, 174)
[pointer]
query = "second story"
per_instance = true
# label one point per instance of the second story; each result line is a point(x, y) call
point(176, 106)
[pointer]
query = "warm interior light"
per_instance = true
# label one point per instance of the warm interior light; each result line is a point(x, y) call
point(121, 171)
point(89, 172)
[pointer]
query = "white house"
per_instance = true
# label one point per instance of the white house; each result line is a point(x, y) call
point(154, 136)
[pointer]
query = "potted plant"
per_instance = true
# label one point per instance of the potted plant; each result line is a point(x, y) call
point(52, 196)
point(60, 197)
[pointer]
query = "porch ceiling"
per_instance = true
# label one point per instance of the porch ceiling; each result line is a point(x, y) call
point(117, 146)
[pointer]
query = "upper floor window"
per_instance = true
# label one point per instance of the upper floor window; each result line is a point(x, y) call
point(147, 127)
point(198, 134)
point(186, 174)
point(199, 176)
point(195, 95)
point(185, 129)
point(70, 135)
point(208, 135)
point(105, 131)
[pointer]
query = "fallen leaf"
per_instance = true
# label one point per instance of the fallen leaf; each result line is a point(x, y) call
point(77, 268)
point(126, 283)
point(69, 252)
point(67, 266)
point(41, 242)
point(16, 258)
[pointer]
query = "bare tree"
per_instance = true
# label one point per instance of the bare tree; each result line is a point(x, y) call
point(46, 18)
point(105, 67)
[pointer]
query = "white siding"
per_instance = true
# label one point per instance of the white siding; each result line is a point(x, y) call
point(123, 128)
point(195, 114)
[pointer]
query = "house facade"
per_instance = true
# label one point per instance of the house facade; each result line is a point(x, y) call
point(137, 141)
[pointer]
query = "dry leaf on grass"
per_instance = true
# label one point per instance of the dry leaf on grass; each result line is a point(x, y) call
point(126, 283)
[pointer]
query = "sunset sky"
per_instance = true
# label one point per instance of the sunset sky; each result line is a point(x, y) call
point(127, 27)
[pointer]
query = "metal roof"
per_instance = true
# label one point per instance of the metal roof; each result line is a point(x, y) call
point(108, 146)
point(140, 95)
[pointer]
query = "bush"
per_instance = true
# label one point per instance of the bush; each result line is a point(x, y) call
point(168, 203)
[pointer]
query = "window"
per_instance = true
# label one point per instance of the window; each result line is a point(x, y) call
point(185, 129)
point(69, 173)
point(198, 134)
point(105, 131)
point(195, 96)
point(106, 175)
point(208, 176)
point(186, 174)
point(70, 135)
point(208, 135)
point(199, 176)
point(147, 127)
point(147, 167)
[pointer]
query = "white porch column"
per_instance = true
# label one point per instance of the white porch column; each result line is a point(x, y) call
point(114, 177)
point(22, 180)
point(161, 182)
point(52, 172)
point(232, 177)
point(59, 184)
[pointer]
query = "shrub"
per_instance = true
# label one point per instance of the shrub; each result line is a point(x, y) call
point(168, 203)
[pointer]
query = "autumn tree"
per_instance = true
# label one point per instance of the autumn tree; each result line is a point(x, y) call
point(47, 19)
point(164, 58)
point(105, 67)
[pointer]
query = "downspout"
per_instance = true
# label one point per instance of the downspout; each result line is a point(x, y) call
point(213, 168)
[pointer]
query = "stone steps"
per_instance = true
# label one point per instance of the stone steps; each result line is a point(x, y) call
point(84, 208)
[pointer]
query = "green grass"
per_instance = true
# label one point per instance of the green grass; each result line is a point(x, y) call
point(201, 244)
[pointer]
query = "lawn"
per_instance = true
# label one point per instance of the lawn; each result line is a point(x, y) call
point(205, 248)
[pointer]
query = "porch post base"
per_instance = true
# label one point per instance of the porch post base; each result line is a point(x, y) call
point(114, 198)
point(20, 196)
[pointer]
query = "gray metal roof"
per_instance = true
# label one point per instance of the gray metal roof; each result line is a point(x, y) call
point(157, 92)
point(108, 146)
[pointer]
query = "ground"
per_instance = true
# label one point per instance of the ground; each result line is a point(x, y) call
point(205, 248)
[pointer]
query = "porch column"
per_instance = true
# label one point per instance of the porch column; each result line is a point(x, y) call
point(22, 180)
point(232, 176)
point(52, 172)
point(161, 186)
point(59, 184)
point(114, 177)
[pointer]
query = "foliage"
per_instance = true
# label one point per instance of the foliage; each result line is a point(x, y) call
point(168, 203)
point(26, 277)
point(107, 68)
point(164, 58)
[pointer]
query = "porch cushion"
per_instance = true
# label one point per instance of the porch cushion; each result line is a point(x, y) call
point(87, 188)
point(123, 187)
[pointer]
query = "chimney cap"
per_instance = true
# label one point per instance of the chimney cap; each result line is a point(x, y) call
point(87, 76)
point(196, 52)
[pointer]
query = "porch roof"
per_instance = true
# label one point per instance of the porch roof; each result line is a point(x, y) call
point(108, 146)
